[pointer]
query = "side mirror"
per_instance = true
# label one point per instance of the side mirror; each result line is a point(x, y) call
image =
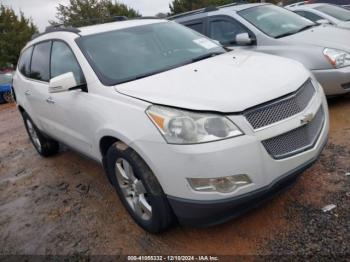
point(323, 22)
point(243, 39)
point(63, 83)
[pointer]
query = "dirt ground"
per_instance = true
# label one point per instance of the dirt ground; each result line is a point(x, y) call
point(64, 205)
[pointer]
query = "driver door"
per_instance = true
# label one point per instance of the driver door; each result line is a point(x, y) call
point(69, 109)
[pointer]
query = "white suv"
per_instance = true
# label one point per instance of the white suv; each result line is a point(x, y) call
point(185, 130)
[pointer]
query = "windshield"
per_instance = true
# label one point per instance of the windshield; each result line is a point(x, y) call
point(335, 11)
point(5, 79)
point(128, 54)
point(275, 21)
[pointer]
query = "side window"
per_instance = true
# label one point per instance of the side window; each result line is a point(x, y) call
point(64, 61)
point(24, 62)
point(196, 27)
point(40, 66)
point(225, 31)
point(308, 15)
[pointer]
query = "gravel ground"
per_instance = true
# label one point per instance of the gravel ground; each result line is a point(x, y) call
point(315, 231)
point(64, 206)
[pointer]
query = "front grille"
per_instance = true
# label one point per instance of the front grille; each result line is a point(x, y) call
point(281, 108)
point(297, 140)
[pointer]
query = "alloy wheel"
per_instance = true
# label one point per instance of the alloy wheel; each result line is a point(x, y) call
point(133, 189)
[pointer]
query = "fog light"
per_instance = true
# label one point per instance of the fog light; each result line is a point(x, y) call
point(226, 184)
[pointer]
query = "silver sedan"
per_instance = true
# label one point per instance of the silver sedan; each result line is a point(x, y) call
point(267, 28)
point(333, 14)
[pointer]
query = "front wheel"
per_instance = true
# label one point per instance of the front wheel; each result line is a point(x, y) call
point(138, 189)
point(43, 144)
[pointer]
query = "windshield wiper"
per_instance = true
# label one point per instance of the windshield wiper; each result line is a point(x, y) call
point(206, 56)
point(294, 32)
point(305, 28)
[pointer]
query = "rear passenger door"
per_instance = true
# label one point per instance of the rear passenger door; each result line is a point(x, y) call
point(37, 90)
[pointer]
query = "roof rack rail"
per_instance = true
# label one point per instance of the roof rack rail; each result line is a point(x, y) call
point(56, 28)
point(296, 4)
point(61, 28)
point(194, 12)
point(228, 5)
point(204, 10)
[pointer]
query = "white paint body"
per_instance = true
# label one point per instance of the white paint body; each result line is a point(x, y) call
point(228, 84)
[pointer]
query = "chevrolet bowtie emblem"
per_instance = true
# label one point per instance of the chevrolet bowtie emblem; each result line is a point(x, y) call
point(307, 119)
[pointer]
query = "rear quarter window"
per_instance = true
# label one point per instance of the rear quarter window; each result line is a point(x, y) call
point(24, 62)
point(40, 65)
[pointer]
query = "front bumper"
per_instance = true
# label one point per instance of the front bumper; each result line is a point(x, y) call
point(209, 213)
point(334, 81)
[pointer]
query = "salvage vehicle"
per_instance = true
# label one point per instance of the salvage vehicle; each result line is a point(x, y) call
point(333, 14)
point(274, 30)
point(186, 131)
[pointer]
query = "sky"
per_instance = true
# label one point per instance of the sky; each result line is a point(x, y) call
point(41, 11)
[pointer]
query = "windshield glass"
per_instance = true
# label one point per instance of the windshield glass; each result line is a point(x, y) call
point(275, 21)
point(128, 54)
point(335, 11)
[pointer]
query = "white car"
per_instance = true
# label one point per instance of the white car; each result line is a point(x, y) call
point(185, 130)
point(333, 14)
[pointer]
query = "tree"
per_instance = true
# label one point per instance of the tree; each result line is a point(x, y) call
point(87, 12)
point(15, 32)
point(180, 6)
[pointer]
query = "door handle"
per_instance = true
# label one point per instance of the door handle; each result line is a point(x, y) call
point(50, 100)
point(27, 93)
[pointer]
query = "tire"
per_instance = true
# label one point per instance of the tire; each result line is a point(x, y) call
point(7, 96)
point(43, 144)
point(138, 189)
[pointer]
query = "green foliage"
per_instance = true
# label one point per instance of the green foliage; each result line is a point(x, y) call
point(15, 32)
point(86, 12)
point(180, 6)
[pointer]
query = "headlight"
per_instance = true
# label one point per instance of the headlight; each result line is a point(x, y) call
point(185, 127)
point(337, 58)
point(221, 184)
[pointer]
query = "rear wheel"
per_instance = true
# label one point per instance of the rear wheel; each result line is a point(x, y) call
point(43, 144)
point(138, 189)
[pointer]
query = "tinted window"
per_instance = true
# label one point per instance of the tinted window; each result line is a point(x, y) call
point(40, 67)
point(196, 27)
point(64, 61)
point(225, 31)
point(311, 16)
point(136, 52)
point(24, 61)
point(275, 21)
point(335, 11)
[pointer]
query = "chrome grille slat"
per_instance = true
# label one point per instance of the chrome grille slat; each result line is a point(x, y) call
point(281, 109)
point(297, 140)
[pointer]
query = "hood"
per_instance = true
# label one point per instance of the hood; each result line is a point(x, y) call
point(324, 36)
point(231, 82)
